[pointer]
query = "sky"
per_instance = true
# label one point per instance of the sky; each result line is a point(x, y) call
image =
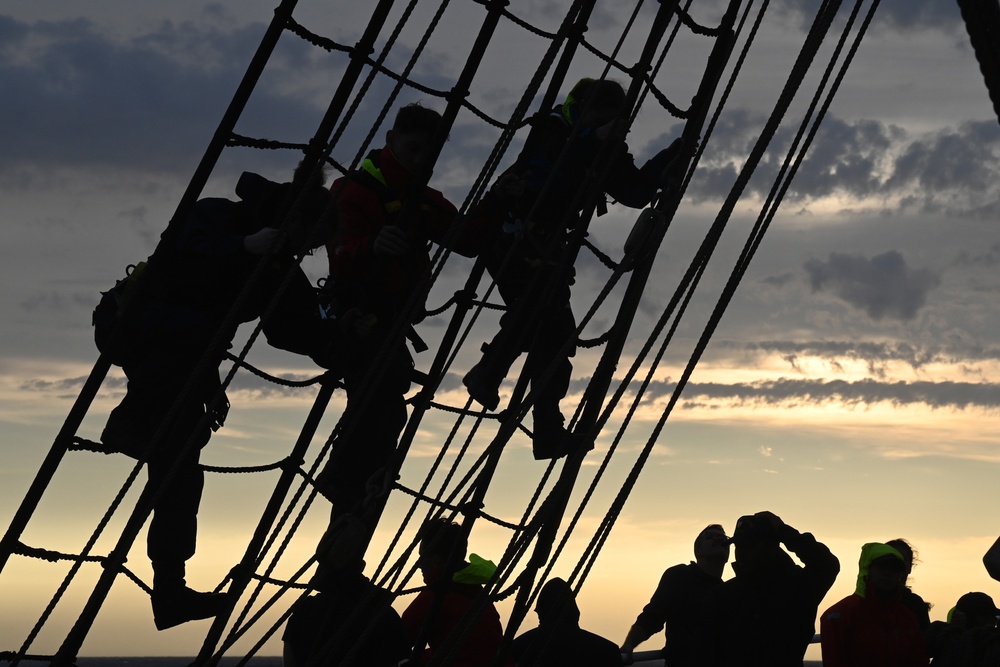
point(851, 386)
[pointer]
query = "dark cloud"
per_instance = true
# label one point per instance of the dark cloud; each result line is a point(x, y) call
point(883, 286)
point(987, 258)
point(793, 393)
point(874, 354)
point(955, 395)
point(955, 170)
point(76, 97)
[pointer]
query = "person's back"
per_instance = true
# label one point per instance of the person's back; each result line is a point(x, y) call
point(186, 293)
point(559, 639)
point(350, 625)
point(911, 600)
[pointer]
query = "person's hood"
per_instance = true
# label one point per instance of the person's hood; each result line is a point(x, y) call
point(477, 571)
point(869, 553)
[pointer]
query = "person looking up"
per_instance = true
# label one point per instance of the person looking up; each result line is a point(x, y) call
point(765, 615)
point(677, 601)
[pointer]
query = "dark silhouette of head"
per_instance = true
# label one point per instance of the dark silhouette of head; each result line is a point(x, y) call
point(557, 603)
point(443, 546)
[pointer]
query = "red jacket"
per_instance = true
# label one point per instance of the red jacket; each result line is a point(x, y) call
point(481, 641)
point(364, 206)
point(867, 630)
point(871, 632)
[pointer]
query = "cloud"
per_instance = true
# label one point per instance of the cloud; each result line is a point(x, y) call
point(874, 354)
point(865, 162)
point(76, 97)
point(792, 393)
point(883, 286)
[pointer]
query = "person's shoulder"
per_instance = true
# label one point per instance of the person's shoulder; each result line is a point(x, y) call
point(438, 197)
point(680, 570)
point(353, 187)
point(601, 651)
point(843, 606)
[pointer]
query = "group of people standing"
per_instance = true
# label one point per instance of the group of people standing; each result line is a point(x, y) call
point(765, 615)
point(377, 224)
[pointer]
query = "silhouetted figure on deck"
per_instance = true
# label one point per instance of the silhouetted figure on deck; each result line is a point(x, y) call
point(676, 605)
point(450, 615)
point(349, 623)
point(185, 296)
point(872, 627)
point(557, 171)
point(559, 639)
point(765, 615)
point(970, 637)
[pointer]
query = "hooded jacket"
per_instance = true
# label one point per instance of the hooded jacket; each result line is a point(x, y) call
point(869, 630)
point(481, 641)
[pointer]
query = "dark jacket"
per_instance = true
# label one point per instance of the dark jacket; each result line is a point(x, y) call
point(557, 165)
point(559, 639)
point(765, 618)
point(353, 624)
point(676, 607)
point(564, 642)
point(203, 271)
point(866, 630)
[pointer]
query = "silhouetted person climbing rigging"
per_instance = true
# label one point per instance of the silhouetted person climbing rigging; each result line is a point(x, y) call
point(188, 292)
point(528, 263)
point(378, 256)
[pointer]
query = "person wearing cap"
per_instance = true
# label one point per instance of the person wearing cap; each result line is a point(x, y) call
point(764, 616)
point(872, 627)
point(676, 604)
point(185, 296)
point(559, 639)
point(970, 637)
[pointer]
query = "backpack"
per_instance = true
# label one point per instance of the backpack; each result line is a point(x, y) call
point(108, 310)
